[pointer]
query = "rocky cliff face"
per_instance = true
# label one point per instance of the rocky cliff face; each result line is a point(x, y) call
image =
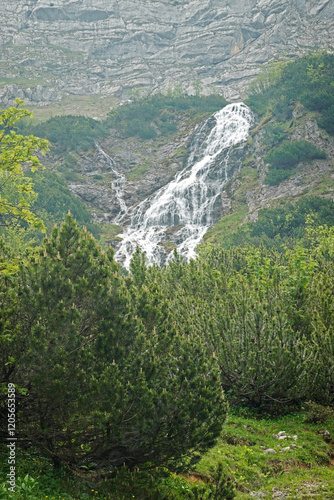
point(111, 46)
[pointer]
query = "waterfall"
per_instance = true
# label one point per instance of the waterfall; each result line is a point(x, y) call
point(117, 184)
point(181, 212)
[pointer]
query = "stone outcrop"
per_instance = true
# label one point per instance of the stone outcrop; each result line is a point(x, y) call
point(36, 95)
point(112, 46)
point(307, 179)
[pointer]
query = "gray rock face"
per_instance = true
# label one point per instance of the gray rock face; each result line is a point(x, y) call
point(40, 93)
point(112, 46)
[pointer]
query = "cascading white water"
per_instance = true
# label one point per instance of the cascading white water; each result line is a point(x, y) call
point(117, 184)
point(188, 201)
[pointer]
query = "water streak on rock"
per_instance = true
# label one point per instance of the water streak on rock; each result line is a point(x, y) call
point(117, 184)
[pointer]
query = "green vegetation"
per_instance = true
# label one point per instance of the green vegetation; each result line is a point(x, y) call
point(302, 471)
point(277, 227)
point(276, 92)
point(204, 380)
point(102, 384)
point(55, 200)
point(308, 80)
point(140, 382)
point(34, 198)
point(68, 133)
point(93, 106)
point(16, 189)
point(291, 221)
point(146, 118)
point(283, 158)
point(138, 172)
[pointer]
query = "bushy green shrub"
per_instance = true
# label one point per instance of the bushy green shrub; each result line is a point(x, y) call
point(307, 80)
point(318, 414)
point(69, 133)
point(274, 134)
point(109, 377)
point(292, 152)
point(55, 200)
point(286, 156)
point(141, 117)
point(318, 101)
point(327, 120)
point(275, 176)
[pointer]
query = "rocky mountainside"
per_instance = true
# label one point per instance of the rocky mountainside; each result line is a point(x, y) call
point(147, 165)
point(111, 47)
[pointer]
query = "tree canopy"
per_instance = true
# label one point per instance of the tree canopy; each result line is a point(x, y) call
point(17, 155)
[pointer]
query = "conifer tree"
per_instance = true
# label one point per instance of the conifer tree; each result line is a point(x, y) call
point(109, 376)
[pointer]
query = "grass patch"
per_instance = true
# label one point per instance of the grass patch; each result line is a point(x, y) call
point(305, 467)
point(93, 106)
point(138, 172)
point(227, 225)
point(109, 233)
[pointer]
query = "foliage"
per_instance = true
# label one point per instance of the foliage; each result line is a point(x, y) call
point(268, 77)
point(110, 378)
point(275, 133)
point(284, 157)
point(240, 448)
point(327, 120)
point(267, 317)
point(221, 487)
point(55, 200)
point(282, 226)
point(318, 413)
point(291, 220)
point(308, 80)
point(68, 133)
point(17, 154)
point(147, 118)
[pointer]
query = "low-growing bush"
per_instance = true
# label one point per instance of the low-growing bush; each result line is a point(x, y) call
point(318, 414)
point(284, 157)
point(327, 120)
point(307, 80)
point(142, 117)
point(68, 133)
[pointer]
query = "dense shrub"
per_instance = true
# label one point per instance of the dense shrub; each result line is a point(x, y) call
point(318, 101)
point(106, 375)
point(144, 117)
point(275, 176)
point(274, 134)
point(69, 133)
point(268, 317)
point(286, 156)
point(55, 200)
point(290, 220)
point(283, 226)
point(327, 120)
point(292, 152)
point(316, 413)
point(307, 80)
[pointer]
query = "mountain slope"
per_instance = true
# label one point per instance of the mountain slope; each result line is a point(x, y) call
point(102, 47)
